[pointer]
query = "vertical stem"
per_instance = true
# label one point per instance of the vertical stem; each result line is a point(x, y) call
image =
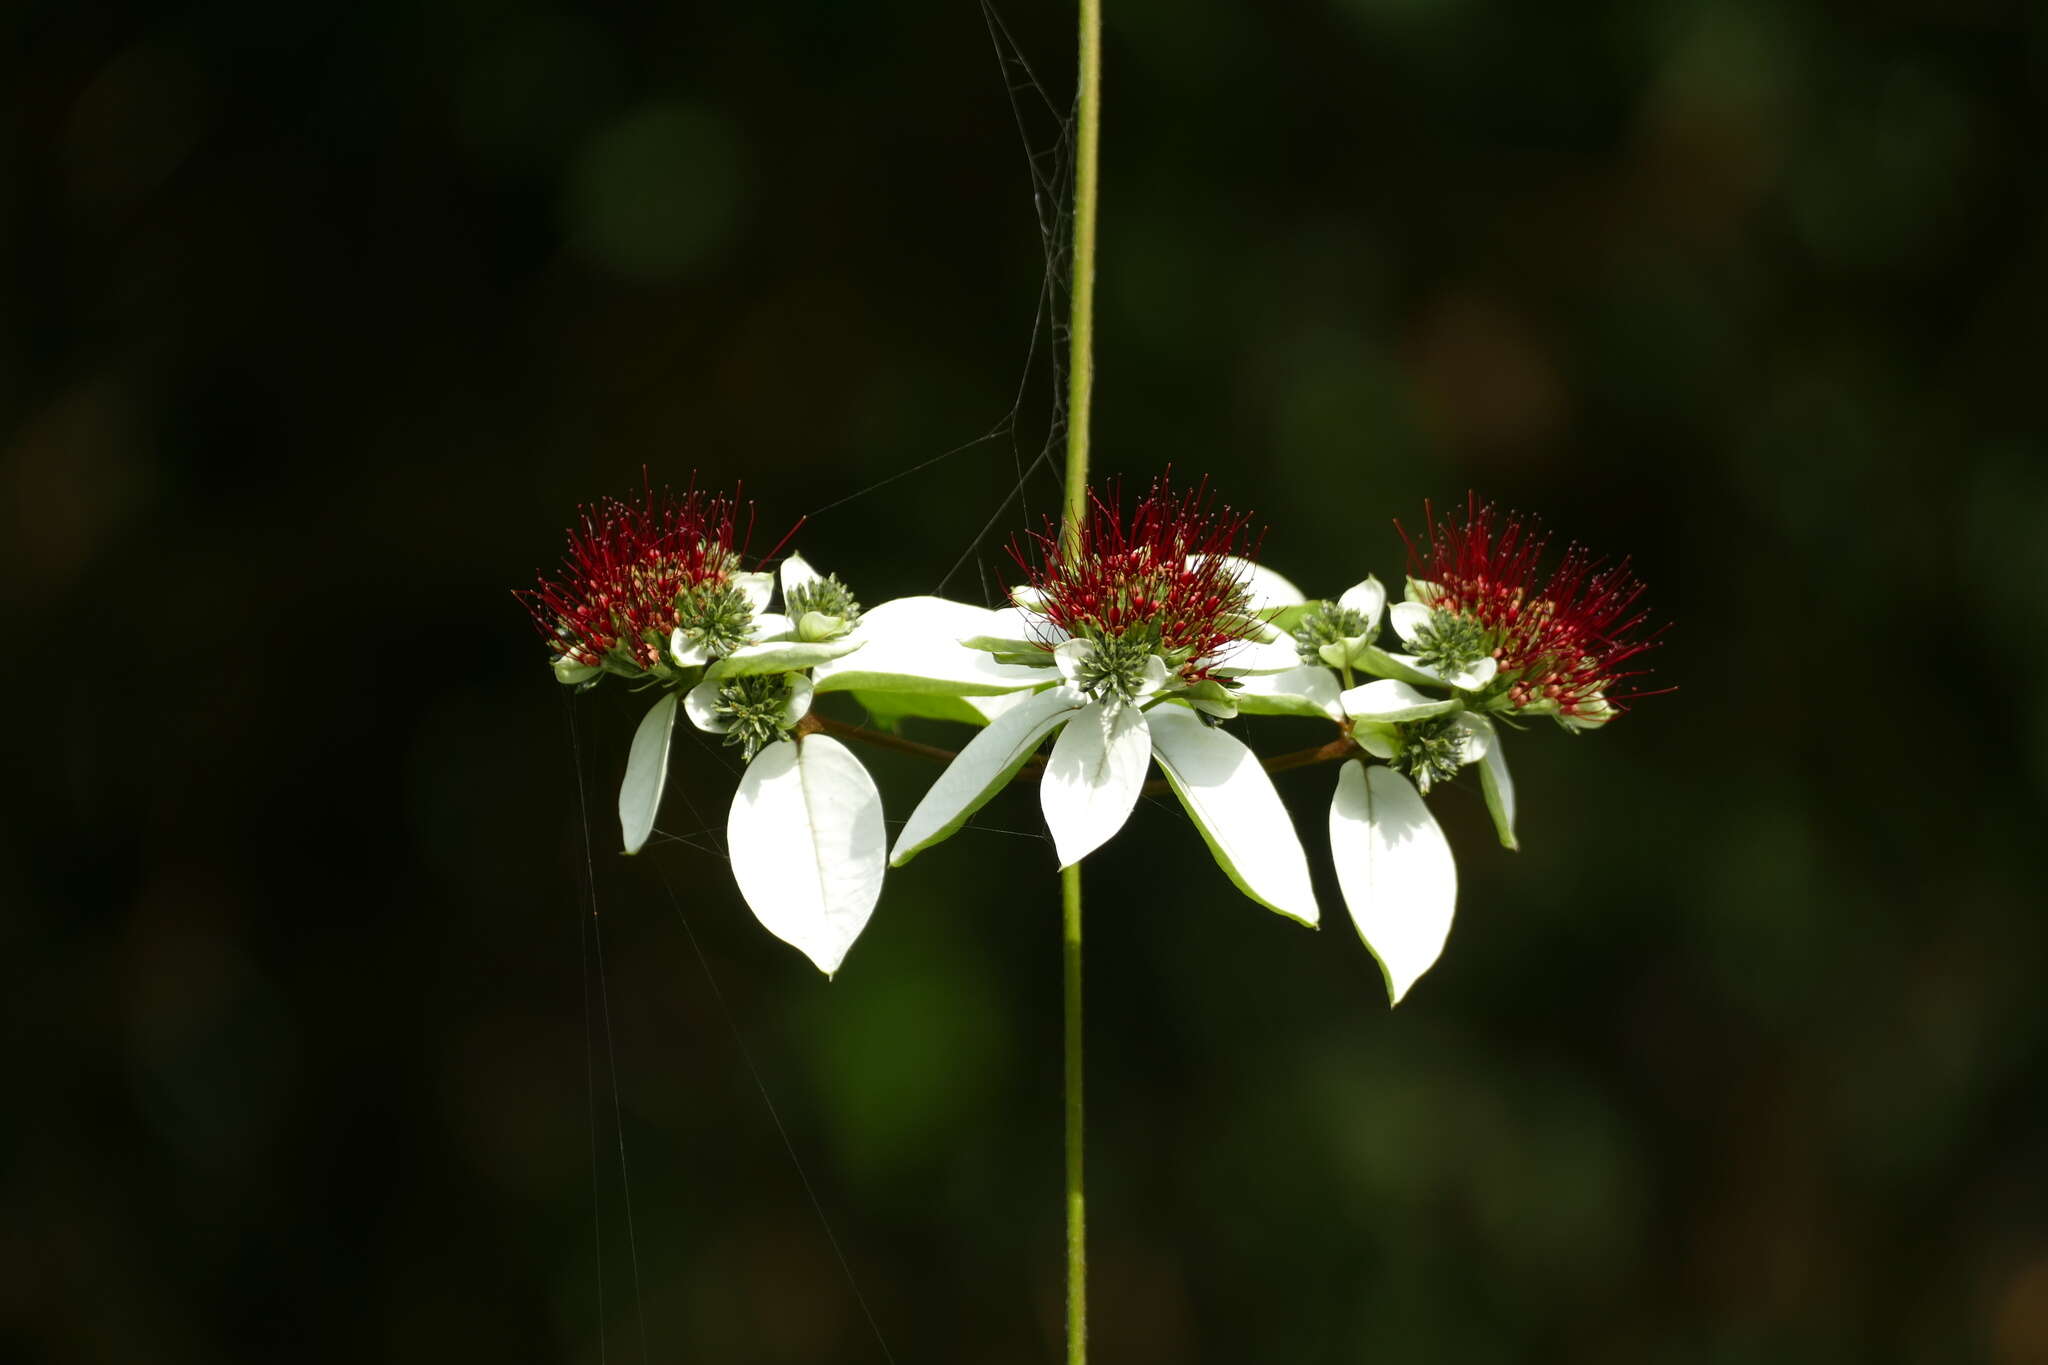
point(1080, 392)
point(1081, 315)
point(1077, 1212)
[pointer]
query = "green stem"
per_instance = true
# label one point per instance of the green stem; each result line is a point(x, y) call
point(1081, 314)
point(1077, 1209)
point(1080, 392)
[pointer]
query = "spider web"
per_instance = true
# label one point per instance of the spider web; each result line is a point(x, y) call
point(1045, 133)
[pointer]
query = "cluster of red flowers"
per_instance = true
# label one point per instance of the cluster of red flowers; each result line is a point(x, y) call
point(626, 565)
point(1165, 570)
point(1564, 642)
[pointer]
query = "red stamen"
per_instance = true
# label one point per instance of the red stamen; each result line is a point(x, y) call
point(1567, 639)
point(625, 566)
point(1163, 567)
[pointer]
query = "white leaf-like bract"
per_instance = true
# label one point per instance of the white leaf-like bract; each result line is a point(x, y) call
point(1304, 690)
point(1268, 589)
point(1231, 799)
point(757, 588)
point(700, 704)
point(1494, 781)
point(1388, 700)
point(1093, 778)
point(781, 656)
point(1368, 598)
point(913, 646)
point(1395, 870)
point(796, 573)
point(646, 772)
point(1409, 619)
point(980, 769)
point(807, 845)
point(1247, 658)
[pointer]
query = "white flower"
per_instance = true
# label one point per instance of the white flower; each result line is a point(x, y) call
point(1413, 622)
point(805, 833)
point(1394, 865)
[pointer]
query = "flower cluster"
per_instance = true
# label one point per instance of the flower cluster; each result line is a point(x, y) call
point(1559, 643)
point(1166, 580)
point(1129, 642)
point(636, 572)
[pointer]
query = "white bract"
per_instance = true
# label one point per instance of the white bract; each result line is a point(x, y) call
point(1395, 869)
point(1394, 866)
point(1117, 708)
point(805, 832)
point(807, 846)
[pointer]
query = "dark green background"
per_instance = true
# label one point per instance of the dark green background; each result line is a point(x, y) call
point(316, 322)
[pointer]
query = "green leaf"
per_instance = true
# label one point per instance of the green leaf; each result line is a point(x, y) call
point(889, 709)
point(646, 772)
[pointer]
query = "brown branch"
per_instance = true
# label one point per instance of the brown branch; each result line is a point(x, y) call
point(1335, 751)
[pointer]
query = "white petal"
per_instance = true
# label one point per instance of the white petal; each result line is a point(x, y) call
point(700, 704)
point(1368, 597)
point(1072, 657)
point(781, 656)
point(805, 834)
point(646, 772)
point(1093, 778)
point(1409, 618)
point(1303, 690)
point(1232, 802)
point(757, 588)
point(799, 704)
point(979, 770)
point(796, 573)
point(1268, 589)
point(1494, 782)
point(689, 653)
point(1389, 700)
point(1029, 598)
point(1474, 676)
point(1395, 870)
point(913, 646)
point(770, 624)
point(1153, 681)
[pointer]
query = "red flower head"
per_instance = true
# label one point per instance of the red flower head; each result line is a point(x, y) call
point(1169, 578)
point(1561, 647)
point(627, 568)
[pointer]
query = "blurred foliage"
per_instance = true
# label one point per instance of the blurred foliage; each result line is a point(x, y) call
point(315, 324)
